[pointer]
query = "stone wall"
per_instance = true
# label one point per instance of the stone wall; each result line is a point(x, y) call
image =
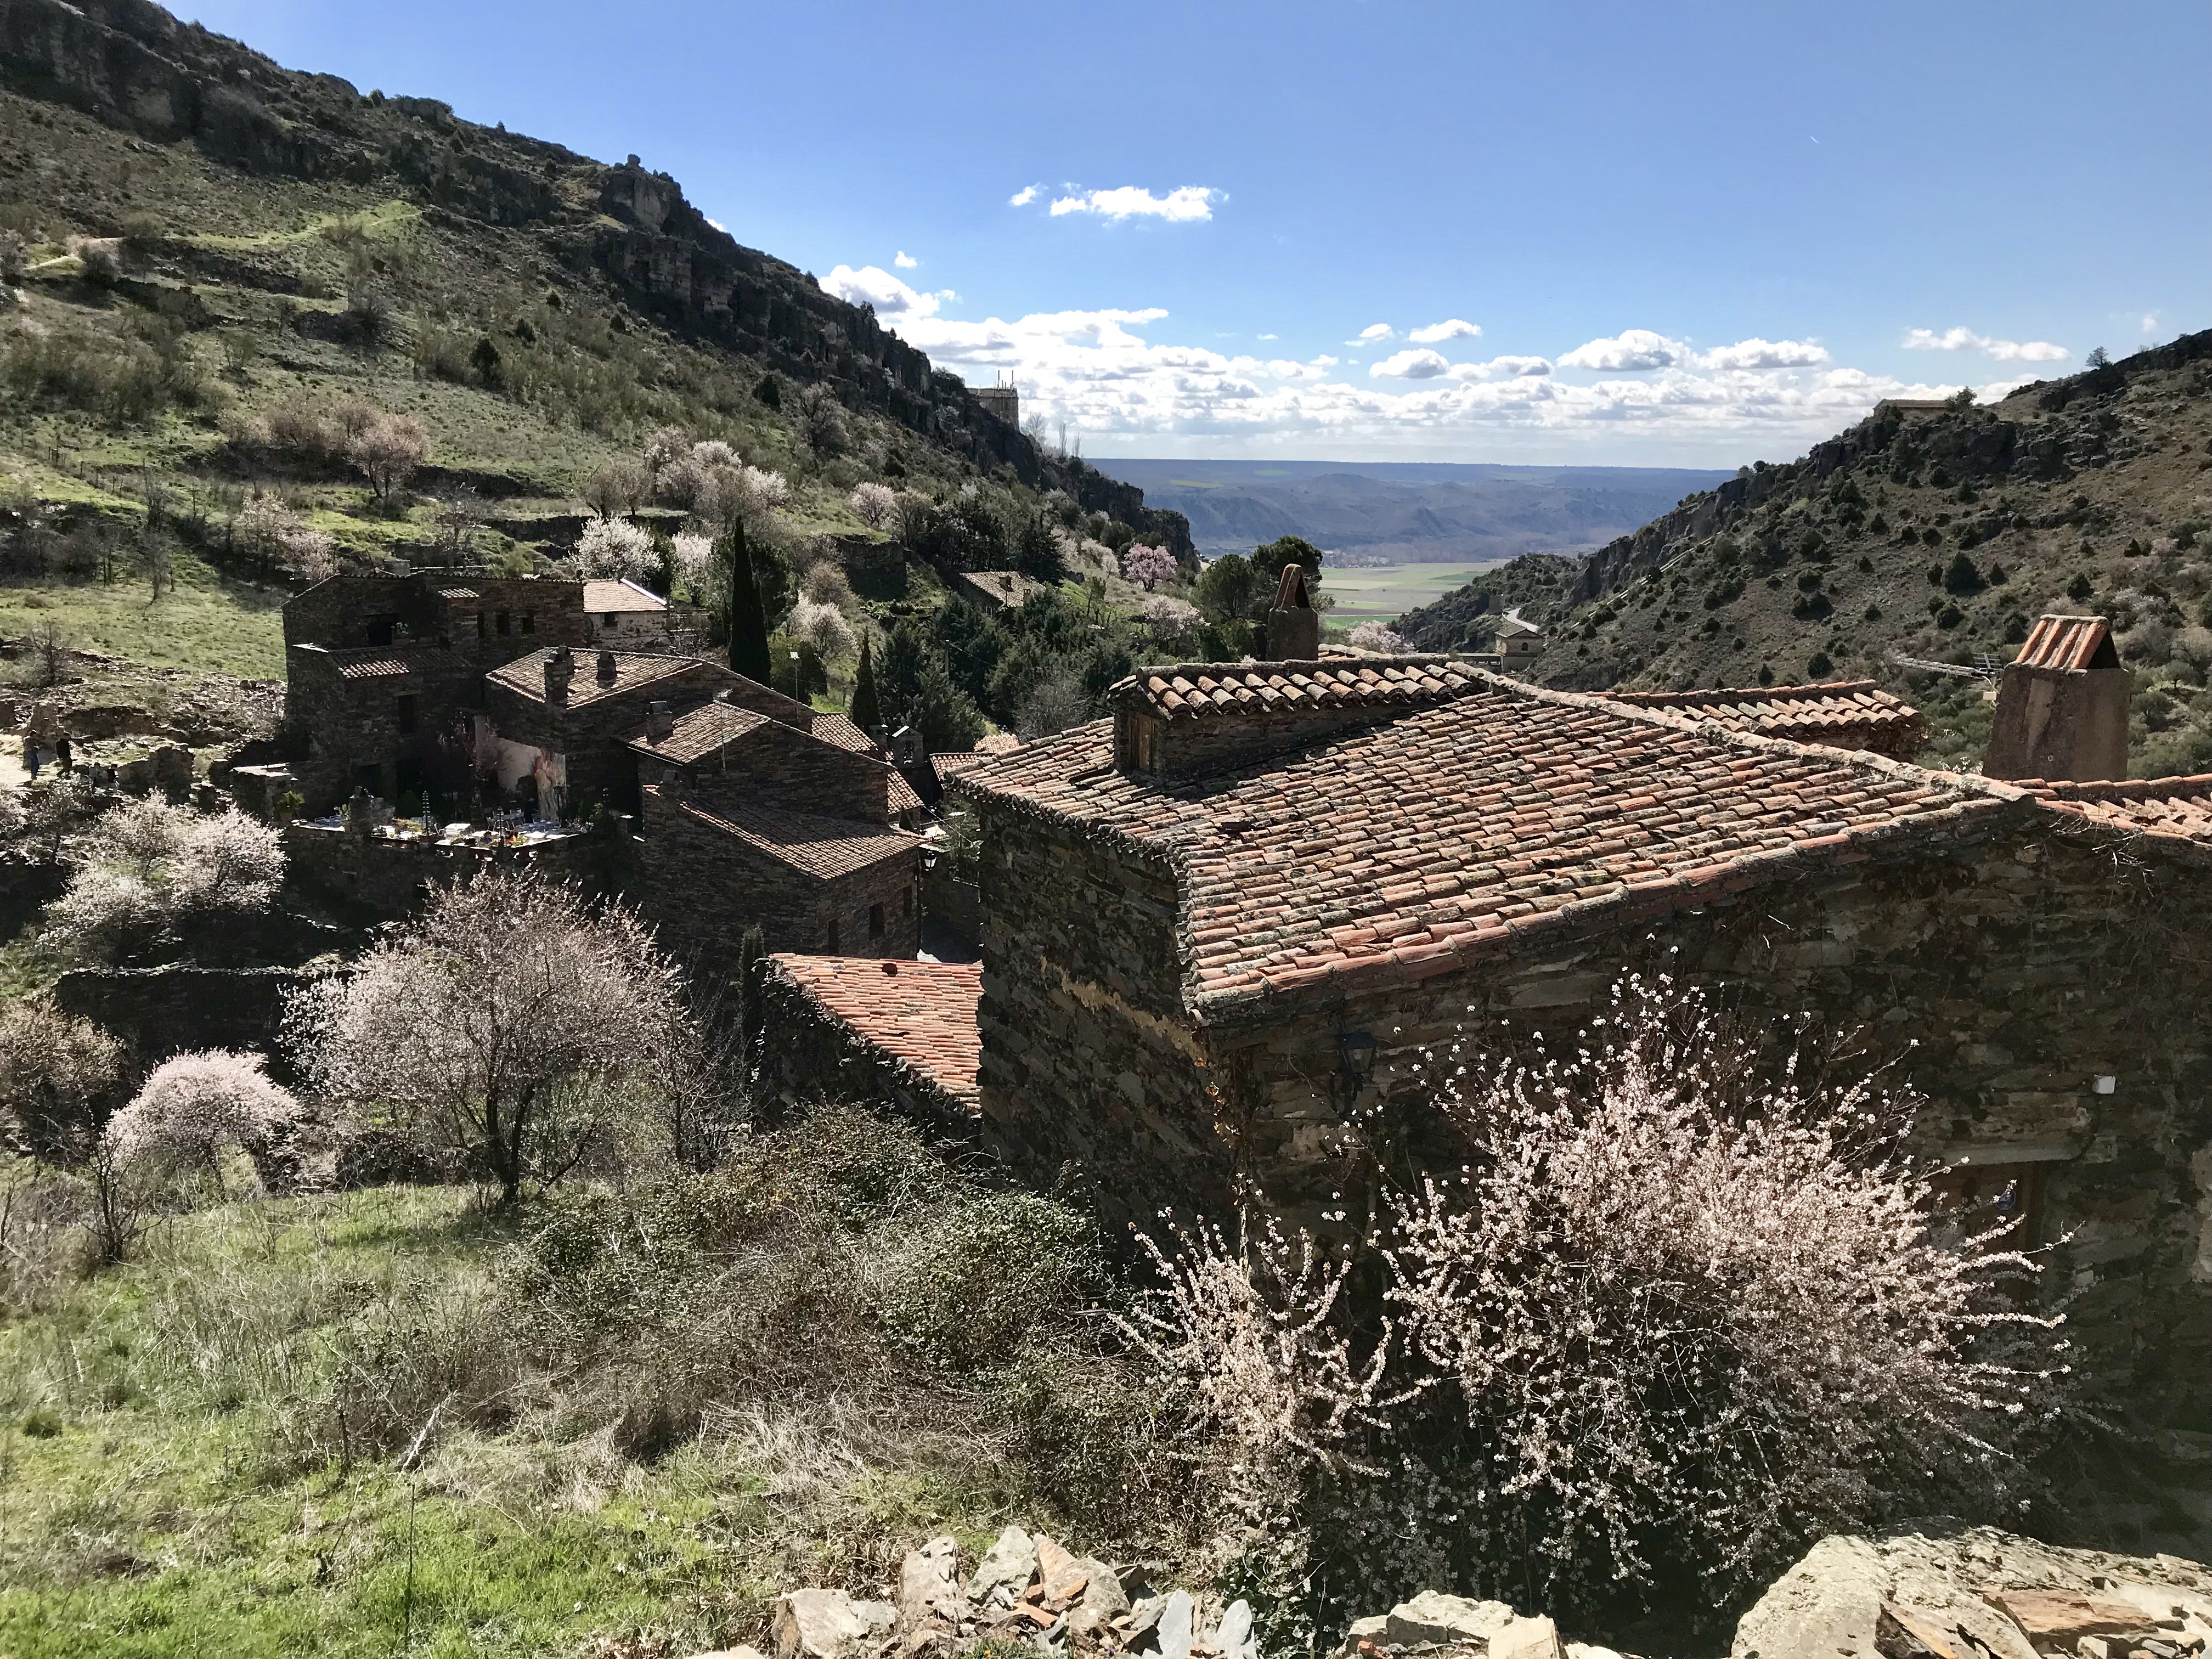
point(803, 1054)
point(1087, 1056)
point(592, 735)
point(2001, 981)
point(160, 1011)
point(356, 727)
point(794, 770)
point(392, 878)
point(701, 887)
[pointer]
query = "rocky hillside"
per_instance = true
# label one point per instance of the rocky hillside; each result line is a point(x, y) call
point(1933, 532)
point(242, 199)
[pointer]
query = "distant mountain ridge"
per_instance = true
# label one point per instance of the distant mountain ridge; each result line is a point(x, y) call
point(1415, 512)
point(1936, 533)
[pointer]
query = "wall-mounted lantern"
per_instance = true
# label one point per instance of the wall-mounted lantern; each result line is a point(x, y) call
point(1355, 1055)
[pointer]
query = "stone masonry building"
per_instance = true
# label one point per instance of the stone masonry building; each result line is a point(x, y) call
point(1247, 908)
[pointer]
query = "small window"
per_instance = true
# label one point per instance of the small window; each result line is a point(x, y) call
point(530, 622)
point(906, 902)
point(483, 624)
point(506, 624)
point(405, 713)
point(833, 938)
point(875, 922)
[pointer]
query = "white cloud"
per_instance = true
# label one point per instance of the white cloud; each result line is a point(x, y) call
point(874, 285)
point(1437, 333)
point(1374, 334)
point(720, 225)
point(1757, 354)
point(1110, 373)
point(1266, 336)
point(904, 260)
point(1419, 364)
point(1503, 368)
point(1183, 206)
point(1022, 197)
point(2005, 351)
point(2149, 321)
point(1632, 351)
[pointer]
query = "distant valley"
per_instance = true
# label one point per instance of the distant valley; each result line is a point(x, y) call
point(1410, 512)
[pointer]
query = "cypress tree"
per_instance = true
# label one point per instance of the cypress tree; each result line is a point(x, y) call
point(867, 705)
point(748, 622)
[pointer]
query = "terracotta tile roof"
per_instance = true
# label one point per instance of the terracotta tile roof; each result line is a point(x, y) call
point(2177, 808)
point(997, 743)
point(945, 766)
point(921, 1013)
point(826, 847)
point(526, 675)
point(699, 731)
point(1195, 690)
point(1469, 829)
point(602, 597)
point(1845, 713)
point(2070, 644)
point(458, 593)
point(840, 730)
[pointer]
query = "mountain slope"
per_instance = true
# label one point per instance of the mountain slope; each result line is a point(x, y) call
point(1936, 533)
point(253, 205)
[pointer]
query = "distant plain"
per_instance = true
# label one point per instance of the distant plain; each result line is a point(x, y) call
point(1384, 592)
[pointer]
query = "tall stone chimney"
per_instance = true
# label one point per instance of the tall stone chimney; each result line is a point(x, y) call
point(2062, 706)
point(560, 669)
point(607, 669)
point(1293, 626)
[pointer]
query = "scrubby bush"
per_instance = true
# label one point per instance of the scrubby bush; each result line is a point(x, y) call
point(269, 532)
point(197, 1113)
point(875, 505)
point(1380, 637)
point(613, 548)
point(386, 453)
point(1675, 1311)
point(509, 1028)
point(819, 423)
point(146, 869)
point(1148, 566)
point(56, 1074)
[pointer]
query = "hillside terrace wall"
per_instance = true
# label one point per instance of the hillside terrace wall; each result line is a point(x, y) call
point(393, 877)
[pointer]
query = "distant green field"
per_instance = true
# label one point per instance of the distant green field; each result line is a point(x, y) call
point(1384, 592)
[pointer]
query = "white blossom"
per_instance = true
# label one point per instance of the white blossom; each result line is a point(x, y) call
point(1379, 637)
point(875, 505)
point(613, 549)
point(195, 1111)
point(824, 627)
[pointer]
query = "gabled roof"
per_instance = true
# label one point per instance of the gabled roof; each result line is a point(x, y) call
point(838, 729)
point(377, 662)
point(818, 847)
point(921, 1013)
point(603, 597)
point(1187, 691)
point(1848, 713)
point(458, 593)
point(2071, 645)
point(1471, 827)
point(525, 676)
point(698, 732)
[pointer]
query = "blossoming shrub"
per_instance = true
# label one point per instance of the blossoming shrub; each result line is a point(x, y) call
point(1676, 1313)
point(197, 1113)
point(146, 868)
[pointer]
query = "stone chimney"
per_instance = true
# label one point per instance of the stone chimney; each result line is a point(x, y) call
point(2062, 706)
point(560, 669)
point(658, 726)
point(607, 670)
point(1293, 626)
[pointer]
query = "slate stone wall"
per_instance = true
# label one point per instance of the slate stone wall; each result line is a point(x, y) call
point(701, 887)
point(356, 723)
point(393, 878)
point(795, 770)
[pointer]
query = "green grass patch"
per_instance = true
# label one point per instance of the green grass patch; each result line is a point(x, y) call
point(385, 222)
point(1384, 592)
point(205, 623)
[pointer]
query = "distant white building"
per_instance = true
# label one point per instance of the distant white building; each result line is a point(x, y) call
point(625, 612)
point(1519, 642)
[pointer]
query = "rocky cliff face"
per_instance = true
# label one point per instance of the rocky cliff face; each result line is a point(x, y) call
point(133, 65)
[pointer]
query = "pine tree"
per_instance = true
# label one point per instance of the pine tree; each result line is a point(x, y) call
point(867, 705)
point(748, 622)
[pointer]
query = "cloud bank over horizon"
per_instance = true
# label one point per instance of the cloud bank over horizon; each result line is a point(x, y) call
point(1106, 373)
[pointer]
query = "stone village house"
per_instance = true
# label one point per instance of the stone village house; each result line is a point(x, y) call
point(1247, 905)
point(747, 806)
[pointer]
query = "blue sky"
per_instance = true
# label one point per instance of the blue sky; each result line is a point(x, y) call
point(1690, 233)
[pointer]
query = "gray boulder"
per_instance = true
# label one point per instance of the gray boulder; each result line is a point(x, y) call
point(1433, 1616)
point(929, 1585)
point(828, 1624)
point(1010, 1564)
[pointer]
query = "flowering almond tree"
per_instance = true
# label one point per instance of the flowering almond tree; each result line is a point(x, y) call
point(195, 1112)
point(1148, 566)
point(511, 1028)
